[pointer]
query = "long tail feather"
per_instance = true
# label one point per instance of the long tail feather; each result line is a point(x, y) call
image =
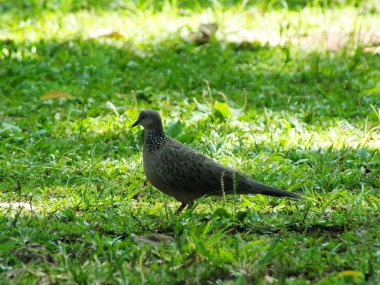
point(255, 187)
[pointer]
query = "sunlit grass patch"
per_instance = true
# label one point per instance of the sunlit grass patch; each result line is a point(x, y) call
point(309, 28)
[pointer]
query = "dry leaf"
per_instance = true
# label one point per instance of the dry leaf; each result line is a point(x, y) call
point(204, 34)
point(208, 29)
point(350, 273)
point(113, 35)
point(55, 95)
point(106, 33)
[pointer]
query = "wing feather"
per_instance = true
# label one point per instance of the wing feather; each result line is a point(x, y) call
point(190, 171)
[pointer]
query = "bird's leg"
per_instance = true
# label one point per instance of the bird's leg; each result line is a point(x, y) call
point(188, 205)
point(183, 206)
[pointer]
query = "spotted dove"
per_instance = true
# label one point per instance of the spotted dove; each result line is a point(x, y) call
point(186, 174)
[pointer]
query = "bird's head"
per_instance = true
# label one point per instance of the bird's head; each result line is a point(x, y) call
point(150, 120)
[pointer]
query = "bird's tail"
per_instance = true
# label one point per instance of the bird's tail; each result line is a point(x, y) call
point(254, 187)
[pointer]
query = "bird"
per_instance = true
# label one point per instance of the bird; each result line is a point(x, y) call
point(186, 174)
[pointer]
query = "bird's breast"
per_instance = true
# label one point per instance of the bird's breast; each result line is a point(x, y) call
point(150, 162)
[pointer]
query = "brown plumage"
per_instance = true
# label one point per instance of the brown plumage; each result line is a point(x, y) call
point(186, 174)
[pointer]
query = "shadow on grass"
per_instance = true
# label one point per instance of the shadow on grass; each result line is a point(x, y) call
point(310, 230)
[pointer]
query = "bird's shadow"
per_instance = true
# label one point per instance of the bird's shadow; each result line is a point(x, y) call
point(243, 221)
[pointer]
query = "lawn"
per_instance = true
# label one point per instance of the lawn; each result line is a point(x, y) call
point(286, 92)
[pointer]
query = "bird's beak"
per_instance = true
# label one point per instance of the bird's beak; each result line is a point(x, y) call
point(136, 123)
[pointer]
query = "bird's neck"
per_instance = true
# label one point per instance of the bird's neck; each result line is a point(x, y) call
point(154, 140)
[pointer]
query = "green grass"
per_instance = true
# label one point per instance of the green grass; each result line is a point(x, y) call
point(289, 109)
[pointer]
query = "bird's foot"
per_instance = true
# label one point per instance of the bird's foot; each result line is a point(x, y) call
point(180, 209)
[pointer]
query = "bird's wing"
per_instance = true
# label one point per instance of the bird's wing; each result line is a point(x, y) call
point(184, 169)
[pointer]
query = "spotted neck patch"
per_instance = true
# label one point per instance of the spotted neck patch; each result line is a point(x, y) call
point(155, 140)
